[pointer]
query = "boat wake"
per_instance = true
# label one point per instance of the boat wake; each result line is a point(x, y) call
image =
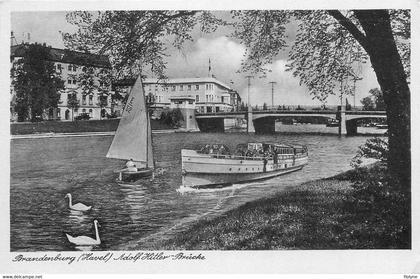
point(186, 189)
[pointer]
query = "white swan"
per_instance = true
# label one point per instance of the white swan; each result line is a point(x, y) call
point(86, 240)
point(77, 206)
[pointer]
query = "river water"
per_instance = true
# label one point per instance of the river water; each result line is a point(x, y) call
point(43, 170)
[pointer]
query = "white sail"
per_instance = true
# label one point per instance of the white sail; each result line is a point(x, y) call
point(133, 139)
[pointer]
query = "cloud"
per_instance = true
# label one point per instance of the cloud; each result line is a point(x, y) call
point(193, 61)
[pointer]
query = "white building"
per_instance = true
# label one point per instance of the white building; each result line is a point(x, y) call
point(69, 65)
point(204, 94)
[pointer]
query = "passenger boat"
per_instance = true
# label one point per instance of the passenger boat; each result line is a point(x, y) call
point(213, 166)
point(133, 138)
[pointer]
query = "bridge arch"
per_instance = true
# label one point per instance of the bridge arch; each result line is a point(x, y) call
point(265, 124)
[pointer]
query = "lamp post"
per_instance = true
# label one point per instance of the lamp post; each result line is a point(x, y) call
point(272, 93)
point(249, 84)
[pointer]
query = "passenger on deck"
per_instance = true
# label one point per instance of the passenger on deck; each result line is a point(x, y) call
point(205, 149)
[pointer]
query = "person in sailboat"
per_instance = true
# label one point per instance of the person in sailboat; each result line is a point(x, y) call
point(130, 166)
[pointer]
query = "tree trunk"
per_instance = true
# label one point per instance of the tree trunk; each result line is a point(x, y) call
point(392, 79)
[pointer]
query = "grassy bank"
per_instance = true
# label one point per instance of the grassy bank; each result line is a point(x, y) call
point(319, 214)
point(81, 126)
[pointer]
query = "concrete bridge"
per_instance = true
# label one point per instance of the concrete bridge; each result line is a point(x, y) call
point(263, 121)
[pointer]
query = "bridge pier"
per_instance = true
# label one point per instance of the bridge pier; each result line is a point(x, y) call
point(351, 127)
point(250, 123)
point(211, 124)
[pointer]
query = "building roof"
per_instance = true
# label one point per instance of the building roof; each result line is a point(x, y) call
point(185, 81)
point(67, 56)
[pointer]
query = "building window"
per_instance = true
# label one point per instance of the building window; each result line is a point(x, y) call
point(69, 81)
point(90, 112)
point(84, 100)
point(69, 67)
point(90, 99)
point(197, 98)
point(181, 88)
point(59, 67)
point(197, 87)
point(74, 81)
point(190, 102)
point(83, 110)
point(173, 87)
point(189, 88)
point(207, 98)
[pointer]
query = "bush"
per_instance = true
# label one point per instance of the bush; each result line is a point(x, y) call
point(375, 148)
point(172, 118)
point(83, 116)
point(376, 198)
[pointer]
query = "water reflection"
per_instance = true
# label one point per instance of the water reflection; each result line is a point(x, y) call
point(78, 217)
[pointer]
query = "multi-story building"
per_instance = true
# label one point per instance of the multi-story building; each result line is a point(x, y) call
point(69, 66)
point(205, 94)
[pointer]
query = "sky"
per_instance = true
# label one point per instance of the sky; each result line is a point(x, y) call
point(224, 52)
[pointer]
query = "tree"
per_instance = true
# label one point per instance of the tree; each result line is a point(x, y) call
point(374, 101)
point(378, 98)
point(73, 103)
point(102, 103)
point(93, 80)
point(367, 103)
point(172, 118)
point(328, 46)
point(36, 85)
point(264, 106)
point(135, 39)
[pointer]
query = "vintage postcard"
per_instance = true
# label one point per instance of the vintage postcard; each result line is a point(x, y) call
point(209, 137)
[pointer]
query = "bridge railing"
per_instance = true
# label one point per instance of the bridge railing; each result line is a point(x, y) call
point(291, 108)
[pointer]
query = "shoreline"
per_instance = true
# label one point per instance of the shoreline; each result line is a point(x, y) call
point(317, 214)
point(81, 134)
point(166, 131)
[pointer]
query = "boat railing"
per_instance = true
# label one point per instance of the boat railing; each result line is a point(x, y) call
point(255, 158)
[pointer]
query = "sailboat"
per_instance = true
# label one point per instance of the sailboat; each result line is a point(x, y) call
point(133, 138)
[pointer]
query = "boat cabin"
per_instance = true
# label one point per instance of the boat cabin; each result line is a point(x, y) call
point(253, 149)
